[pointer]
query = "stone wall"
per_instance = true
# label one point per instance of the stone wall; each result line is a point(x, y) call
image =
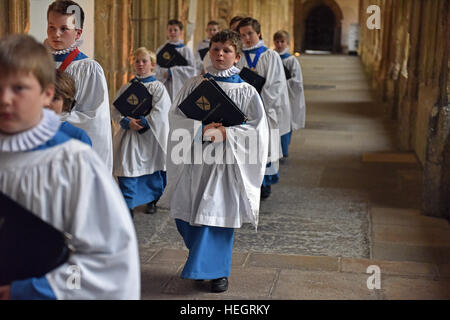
point(14, 16)
point(150, 17)
point(407, 62)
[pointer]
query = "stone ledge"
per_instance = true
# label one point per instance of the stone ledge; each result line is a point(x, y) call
point(404, 268)
point(320, 263)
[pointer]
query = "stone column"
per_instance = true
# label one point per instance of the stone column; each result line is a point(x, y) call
point(437, 159)
point(14, 16)
point(114, 41)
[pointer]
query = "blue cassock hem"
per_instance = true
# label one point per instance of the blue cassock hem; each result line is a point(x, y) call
point(210, 251)
point(285, 141)
point(270, 179)
point(144, 189)
point(32, 289)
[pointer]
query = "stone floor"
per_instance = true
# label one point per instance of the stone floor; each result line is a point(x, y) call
point(347, 199)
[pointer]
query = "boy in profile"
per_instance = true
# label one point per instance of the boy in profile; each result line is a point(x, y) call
point(295, 87)
point(203, 47)
point(91, 111)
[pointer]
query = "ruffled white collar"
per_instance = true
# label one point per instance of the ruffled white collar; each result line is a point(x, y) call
point(259, 44)
point(284, 51)
point(176, 43)
point(222, 73)
point(34, 137)
point(77, 44)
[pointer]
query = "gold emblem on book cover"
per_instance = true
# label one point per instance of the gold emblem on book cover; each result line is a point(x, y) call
point(133, 100)
point(203, 103)
point(166, 55)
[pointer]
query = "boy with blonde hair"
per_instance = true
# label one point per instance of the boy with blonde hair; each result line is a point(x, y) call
point(140, 159)
point(63, 182)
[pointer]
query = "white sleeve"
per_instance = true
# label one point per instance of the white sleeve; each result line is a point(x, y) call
point(103, 234)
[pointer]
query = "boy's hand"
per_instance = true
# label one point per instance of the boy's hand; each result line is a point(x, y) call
point(216, 131)
point(5, 292)
point(135, 124)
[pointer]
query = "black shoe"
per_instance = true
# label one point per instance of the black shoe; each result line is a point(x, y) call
point(131, 213)
point(151, 208)
point(284, 160)
point(219, 285)
point(265, 192)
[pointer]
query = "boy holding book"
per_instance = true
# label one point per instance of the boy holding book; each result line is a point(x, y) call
point(295, 87)
point(209, 199)
point(176, 76)
point(63, 182)
point(140, 158)
point(91, 111)
point(267, 64)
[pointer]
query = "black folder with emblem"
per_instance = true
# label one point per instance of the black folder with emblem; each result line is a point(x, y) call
point(287, 73)
point(252, 78)
point(169, 57)
point(203, 52)
point(134, 102)
point(209, 103)
point(29, 247)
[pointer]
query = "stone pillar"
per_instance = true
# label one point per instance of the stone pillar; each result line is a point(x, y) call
point(436, 196)
point(114, 41)
point(14, 16)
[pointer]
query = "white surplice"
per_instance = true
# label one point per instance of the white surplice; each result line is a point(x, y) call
point(296, 91)
point(180, 74)
point(91, 112)
point(141, 154)
point(213, 193)
point(69, 187)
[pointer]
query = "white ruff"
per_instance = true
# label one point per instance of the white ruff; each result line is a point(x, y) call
point(284, 51)
point(33, 137)
point(259, 44)
point(77, 44)
point(222, 73)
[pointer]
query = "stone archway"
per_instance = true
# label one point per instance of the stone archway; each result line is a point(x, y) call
point(317, 24)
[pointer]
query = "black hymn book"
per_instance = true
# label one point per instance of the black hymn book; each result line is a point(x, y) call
point(287, 73)
point(29, 247)
point(203, 52)
point(169, 57)
point(134, 102)
point(209, 103)
point(252, 78)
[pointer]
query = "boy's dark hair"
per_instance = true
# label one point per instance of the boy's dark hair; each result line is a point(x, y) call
point(212, 23)
point(228, 35)
point(235, 19)
point(250, 22)
point(65, 89)
point(280, 35)
point(62, 6)
point(175, 22)
point(21, 53)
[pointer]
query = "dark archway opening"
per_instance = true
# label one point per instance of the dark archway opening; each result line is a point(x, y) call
point(320, 29)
